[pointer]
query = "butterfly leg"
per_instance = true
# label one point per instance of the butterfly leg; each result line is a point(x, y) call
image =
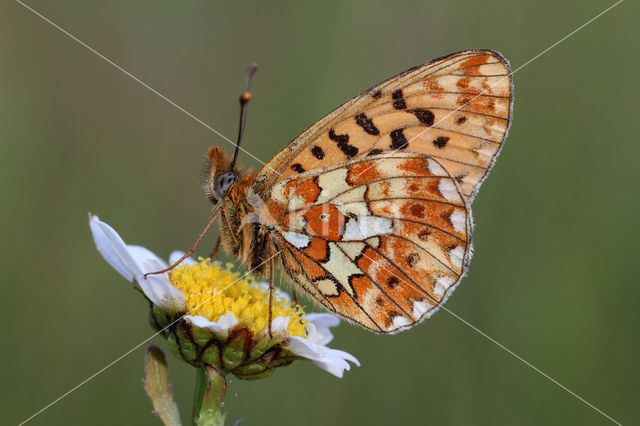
point(295, 296)
point(214, 216)
point(271, 279)
point(216, 248)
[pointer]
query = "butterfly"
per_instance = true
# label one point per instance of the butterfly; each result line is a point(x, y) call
point(368, 211)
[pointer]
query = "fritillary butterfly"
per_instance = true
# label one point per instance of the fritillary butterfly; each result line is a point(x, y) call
point(368, 211)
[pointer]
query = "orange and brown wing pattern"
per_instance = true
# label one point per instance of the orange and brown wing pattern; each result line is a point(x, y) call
point(381, 240)
point(456, 109)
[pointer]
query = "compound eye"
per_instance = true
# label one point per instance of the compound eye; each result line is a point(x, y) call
point(224, 182)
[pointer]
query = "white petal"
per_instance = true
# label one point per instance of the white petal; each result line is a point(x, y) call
point(176, 255)
point(159, 289)
point(113, 249)
point(222, 327)
point(330, 360)
point(132, 262)
point(228, 321)
point(142, 254)
point(318, 329)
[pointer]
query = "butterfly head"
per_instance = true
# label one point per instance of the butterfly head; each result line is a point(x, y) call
point(218, 176)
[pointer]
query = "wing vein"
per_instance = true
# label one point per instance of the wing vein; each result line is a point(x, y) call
point(376, 284)
point(425, 250)
point(351, 297)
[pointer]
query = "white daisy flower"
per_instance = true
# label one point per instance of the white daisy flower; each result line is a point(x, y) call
point(211, 315)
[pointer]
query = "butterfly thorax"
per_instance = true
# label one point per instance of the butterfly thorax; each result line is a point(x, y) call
point(241, 233)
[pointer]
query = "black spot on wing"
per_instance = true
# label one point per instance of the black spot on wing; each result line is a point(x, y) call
point(398, 100)
point(451, 247)
point(440, 141)
point(376, 94)
point(461, 119)
point(343, 143)
point(367, 124)
point(424, 115)
point(297, 167)
point(392, 281)
point(317, 152)
point(398, 140)
point(375, 152)
point(412, 259)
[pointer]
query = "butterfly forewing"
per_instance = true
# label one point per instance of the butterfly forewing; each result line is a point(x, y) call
point(456, 109)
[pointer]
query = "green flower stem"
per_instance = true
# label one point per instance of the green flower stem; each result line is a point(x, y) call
point(211, 387)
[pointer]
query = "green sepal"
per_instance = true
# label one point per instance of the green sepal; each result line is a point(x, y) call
point(261, 347)
point(263, 375)
point(211, 355)
point(236, 348)
point(160, 318)
point(257, 365)
point(284, 360)
point(188, 349)
point(248, 370)
point(172, 344)
point(201, 336)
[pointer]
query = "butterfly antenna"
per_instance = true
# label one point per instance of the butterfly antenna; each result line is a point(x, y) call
point(244, 100)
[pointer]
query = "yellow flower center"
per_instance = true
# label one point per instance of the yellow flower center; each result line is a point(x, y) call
point(212, 291)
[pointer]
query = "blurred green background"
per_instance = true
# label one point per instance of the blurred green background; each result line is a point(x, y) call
point(553, 277)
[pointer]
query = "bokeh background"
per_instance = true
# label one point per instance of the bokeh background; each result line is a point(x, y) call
point(554, 274)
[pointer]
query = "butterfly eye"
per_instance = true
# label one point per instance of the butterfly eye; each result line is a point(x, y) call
point(224, 182)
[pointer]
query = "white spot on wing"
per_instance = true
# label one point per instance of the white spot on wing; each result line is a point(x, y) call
point(435, 168)
point(296, 202)
point(355, 194)
point(448, 190)
point(297, 240)
point(332, 184)
point(354, 209)
point(441, 285)
point(420, 308)
point(277, 193)
point(456, 256)
point(374, 242)
point(399, 321)
point(341, 267)
point(459, 221)
point(362, 227)
point(327, 287)
point(352, 248)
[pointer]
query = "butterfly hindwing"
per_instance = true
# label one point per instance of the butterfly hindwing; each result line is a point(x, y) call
point(380, 240)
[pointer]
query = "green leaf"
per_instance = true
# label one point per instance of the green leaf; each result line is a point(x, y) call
point(157, 386)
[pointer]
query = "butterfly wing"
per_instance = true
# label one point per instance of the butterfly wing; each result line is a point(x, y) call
point(380, 240)
point(456, 109)
point(370, 206)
